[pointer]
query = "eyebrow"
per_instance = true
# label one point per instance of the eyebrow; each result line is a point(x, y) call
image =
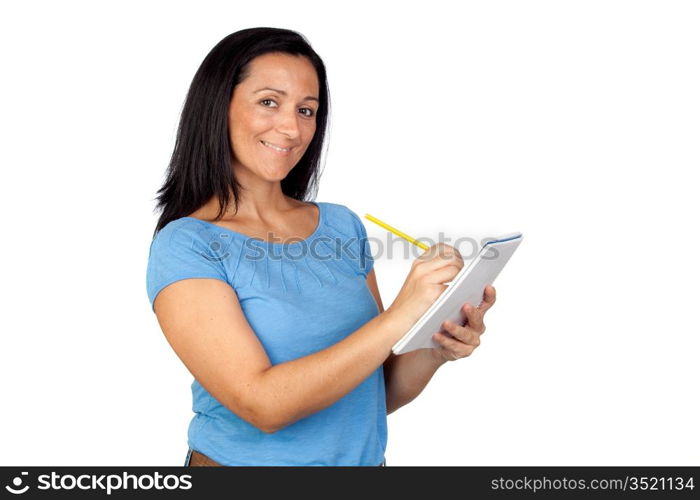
point(307, 98)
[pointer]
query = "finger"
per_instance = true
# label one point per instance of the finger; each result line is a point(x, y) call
point(489, 298)
point(438, 256)
point(445, 274)
point(453, 347)
point(442, 250)
point(475, 318)
point(447, 270)
point(464, 334)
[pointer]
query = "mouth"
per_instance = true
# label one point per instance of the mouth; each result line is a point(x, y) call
point(276, 148)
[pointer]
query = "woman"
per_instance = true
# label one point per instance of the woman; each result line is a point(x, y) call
point(272, 302)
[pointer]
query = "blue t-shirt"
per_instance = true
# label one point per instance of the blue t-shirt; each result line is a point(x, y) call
point(299, 298)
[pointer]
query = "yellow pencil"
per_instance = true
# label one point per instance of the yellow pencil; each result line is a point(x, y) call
point(397, 232)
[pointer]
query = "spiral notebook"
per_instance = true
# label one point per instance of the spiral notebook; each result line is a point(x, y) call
point(466, 287)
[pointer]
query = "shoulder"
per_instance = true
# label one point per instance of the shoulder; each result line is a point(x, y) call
point(343, 221)
point(189, 240)
point(186, 248)
point(342, 218)
point(185, 227)
point(188, 234)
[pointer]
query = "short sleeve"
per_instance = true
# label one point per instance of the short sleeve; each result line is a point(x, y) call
point(178, 252)
point(366, 260)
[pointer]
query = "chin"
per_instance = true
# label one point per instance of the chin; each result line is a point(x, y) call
point(276, 176)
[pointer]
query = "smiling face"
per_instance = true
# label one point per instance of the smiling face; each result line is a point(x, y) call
point(272, 116)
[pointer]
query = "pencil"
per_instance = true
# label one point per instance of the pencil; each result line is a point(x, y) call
point(397, 232)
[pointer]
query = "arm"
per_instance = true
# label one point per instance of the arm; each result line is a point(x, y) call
point(405, 376)
point(206, 327)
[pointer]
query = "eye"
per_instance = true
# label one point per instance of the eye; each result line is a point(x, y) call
point(308, 112)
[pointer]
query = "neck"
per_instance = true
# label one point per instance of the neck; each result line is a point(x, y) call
point(261, 203)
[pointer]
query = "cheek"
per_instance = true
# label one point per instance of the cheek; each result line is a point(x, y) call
point(309, 133)
point(247, 123)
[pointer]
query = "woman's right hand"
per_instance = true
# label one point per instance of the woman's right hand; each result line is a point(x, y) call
point(424, 284)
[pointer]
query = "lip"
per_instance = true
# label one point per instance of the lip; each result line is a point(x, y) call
point(281, 153)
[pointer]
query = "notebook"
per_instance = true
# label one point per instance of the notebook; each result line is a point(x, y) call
point(466, 287)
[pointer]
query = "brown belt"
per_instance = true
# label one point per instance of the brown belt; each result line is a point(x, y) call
point(198, 459)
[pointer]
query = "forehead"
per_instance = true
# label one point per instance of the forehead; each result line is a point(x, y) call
point(287, 72)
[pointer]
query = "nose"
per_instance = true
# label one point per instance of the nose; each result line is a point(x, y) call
point(288, 123)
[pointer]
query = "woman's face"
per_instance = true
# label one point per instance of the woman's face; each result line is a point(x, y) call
point(272, 116)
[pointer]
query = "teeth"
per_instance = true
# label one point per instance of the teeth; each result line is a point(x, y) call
point(276, 148)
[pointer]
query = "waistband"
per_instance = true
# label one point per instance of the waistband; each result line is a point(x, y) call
point(197, 459)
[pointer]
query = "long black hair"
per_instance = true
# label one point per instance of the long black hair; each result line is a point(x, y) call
point(200, 166)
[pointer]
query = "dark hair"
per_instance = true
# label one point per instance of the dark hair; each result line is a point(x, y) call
point(200, 166)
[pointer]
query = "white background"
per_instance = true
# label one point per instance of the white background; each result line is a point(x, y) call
point(576, 123)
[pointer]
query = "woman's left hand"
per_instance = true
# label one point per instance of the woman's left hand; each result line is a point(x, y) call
point(464, 338)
